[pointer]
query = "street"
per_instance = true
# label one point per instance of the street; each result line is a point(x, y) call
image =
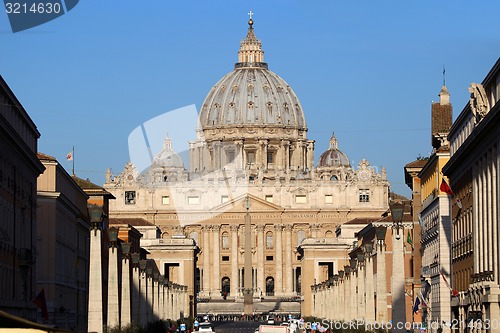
point(236, 326)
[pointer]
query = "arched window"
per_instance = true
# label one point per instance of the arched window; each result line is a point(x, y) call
point(225, 240)
point(301, 235)
point(269, 286)
point(334, 178)
point(269, 240)
point(225, 286)
point(165, 235)
point(328, 234)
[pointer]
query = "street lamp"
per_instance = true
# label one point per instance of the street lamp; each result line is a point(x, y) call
point(126, 249)
point(135, 258)
point(397, 212)
point(352, 264)
point(380, 233)
point(96, 215)
point(368, 248)
point(113, 236)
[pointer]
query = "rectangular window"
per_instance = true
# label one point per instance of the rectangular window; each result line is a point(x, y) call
point(130, 197)
point(193, 200)
point(165, 200)
point(225, 258)
point(230, 156)
point(364, 195)
point(250, 157)
point(270, 157)
point(301, 199)
point(224, 198)
point(269, 198)
point(269, 258)
point(328, 198)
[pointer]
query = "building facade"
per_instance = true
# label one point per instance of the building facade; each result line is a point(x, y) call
point(19, 169)
point(436, 221)
point(473, 171)
point(63, 247)
point(251, 154)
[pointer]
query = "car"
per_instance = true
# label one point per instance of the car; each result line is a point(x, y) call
point(270, 320)
point(205, 327)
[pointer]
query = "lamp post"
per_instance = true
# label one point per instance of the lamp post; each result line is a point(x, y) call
point(95, 317)
point(381, 287)
point(125, 301)
point(398, 274)
point(113, 288)
point(136, 278)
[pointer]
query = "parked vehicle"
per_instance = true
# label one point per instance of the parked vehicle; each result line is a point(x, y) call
point(205, 327)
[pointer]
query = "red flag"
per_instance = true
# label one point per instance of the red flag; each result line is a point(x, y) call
point(453, 291)
point(445, 188)
point(42, 304)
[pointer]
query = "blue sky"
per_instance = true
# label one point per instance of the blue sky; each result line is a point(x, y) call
point(367, 70)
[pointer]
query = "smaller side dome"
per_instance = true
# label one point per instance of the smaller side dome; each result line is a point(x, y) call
point(333, 157)
point(167, 157)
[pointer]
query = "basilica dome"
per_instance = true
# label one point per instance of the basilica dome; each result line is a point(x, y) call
point(333, 157)
point(251, 95)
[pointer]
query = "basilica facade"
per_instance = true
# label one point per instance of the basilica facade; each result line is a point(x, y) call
point(250, 156)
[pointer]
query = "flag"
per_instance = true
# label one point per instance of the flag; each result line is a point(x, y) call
point(445, 188)
point(424, 302)
point(42, 304)
point(453, 292)
point(408, 239)
point(415, 307)
point(69, 156)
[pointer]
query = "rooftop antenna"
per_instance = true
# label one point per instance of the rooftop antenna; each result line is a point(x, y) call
point(444, 76)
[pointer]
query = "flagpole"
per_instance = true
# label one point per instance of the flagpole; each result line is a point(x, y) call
point(73, 153)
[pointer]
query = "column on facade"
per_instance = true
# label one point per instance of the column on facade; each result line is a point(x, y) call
point(136, 278)
point(113, 288)
point(288, 259)
point(310, 155)
point(370, 295)
point(287, 155)
point(143, 298)
point(150, 293)
point(264, 153)
point(156, 296)
point(398, 280)
point(216, 248)
point(354, 296)
point(239, 155)
point(361, 291)
point(340, 311)
point(95, 315)
point(168, 301)
point(347, 296)
point(381, 284)
point(260, 260)
point(125, 303)
point(192, 156)
point(234, 260)
point(278, 281)
point(161, 298)
point(206, 260)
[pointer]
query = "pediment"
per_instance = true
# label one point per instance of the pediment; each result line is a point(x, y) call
point(238, 205)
